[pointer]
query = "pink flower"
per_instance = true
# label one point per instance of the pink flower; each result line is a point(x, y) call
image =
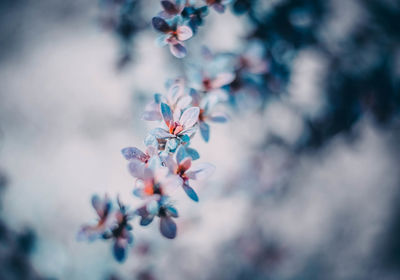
point(183, 168)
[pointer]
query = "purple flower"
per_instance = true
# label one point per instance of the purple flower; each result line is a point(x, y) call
point(173, 35)
point(104, 220)
point(183, 168)
point(218, 5)
point(162, 209)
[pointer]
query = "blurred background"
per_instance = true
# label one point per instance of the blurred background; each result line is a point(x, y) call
point(307, 171)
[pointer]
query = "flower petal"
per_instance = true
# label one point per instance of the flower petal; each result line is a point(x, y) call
point(190, 192)
point(184, 33)
point(189, 117)
point(160, 24)
point(168, 227)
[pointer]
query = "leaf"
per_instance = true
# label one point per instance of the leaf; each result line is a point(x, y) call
point(146, 220)
point(133, 153)
point(161, 133)
point(136, 168)
point(185, 164)
point(190, 192)
point(222, 80)
point(160, 25)
point(180, 154)
point(166, 114)
point(219, 8)
point(169, 7)
point(172, 211)
point(167, 227)
point(152, 207)
point(189, 117)
point(178, 50)
point(184, 33)
point(184, 102)
point(119, 249)
point(193, 153)
point(219, 117)
point(205, 131)
point(201, 171)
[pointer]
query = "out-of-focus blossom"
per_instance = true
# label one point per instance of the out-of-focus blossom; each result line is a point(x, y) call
point(174, 33)
point(123, 18)
point(209, 79)
point(163, 209)
point(121, 232)
point(218, 5)
point(206, 115)
point(103, 209)
point(155, 180)
point(195, 16)
point(175, 98)
point(183, 168)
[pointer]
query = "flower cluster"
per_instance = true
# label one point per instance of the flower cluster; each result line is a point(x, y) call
point(168, 164)
point(179, 21)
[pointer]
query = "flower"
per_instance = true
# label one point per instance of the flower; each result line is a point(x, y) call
point(176, 98)
point(121, 232)
point(211, 76)
point(182, 128)
point(218, 5)
point(194, 16)
point(155, 180)
point(206, 105)
point(173, 34)
point(103, 209)
point(181, 168)
point(162, 209)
